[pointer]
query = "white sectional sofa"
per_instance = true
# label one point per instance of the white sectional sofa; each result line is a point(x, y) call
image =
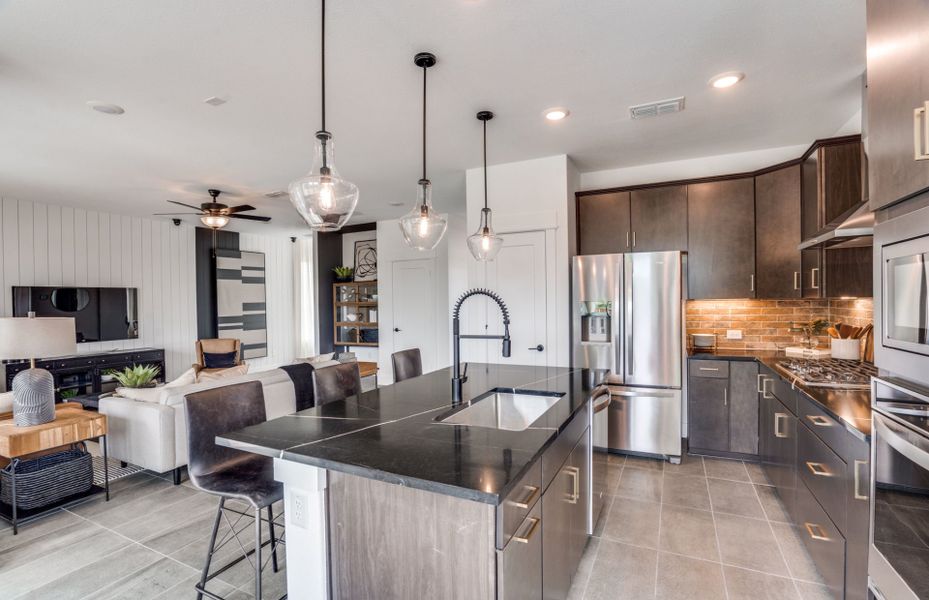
point(153, 434)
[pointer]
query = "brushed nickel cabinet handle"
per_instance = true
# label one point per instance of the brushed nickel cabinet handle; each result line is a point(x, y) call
point(818, 469)
point(524, 539)
point(753, 282)
point(796, 280)
point(760, 386)
point(524, 503)
point(818, 534)
point(819, 420)
point(709, 368)
point(777, 420)
point(921, 132)
point(633, 239)
point(725, 396)
point(814, 280)
point(627, 239)
point(575, 494)
point(858, 494)
point(765, 392)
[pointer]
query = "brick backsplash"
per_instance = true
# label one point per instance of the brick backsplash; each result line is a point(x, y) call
point(766, 323)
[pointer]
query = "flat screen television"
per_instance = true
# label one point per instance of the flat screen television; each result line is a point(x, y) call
point(100, 313)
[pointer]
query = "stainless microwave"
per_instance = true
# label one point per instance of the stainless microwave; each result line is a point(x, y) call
point(905, 290)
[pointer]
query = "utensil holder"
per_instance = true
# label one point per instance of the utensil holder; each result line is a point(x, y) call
point(848, 349)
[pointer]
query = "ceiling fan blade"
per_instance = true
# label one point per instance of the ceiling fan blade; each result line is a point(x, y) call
point(237, 209)
point(250, 217)
point(185, 205)
point(175, 214)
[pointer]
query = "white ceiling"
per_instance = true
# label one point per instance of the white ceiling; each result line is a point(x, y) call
point(161, 59)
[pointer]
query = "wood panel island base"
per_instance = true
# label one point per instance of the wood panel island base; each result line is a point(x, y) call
point(399, 493)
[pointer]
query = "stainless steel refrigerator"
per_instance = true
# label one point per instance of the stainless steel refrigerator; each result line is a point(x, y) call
point(627, 332)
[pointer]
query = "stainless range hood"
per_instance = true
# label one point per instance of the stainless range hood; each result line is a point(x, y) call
point(858, 223)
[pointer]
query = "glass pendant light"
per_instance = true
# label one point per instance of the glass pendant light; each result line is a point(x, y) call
point(324, 200)
point(422, 227)
point(484, 244)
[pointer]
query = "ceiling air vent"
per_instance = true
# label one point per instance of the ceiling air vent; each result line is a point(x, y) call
point(656, 109)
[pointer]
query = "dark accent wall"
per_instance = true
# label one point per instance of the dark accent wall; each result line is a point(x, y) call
point(206, 281)
point(328, 255)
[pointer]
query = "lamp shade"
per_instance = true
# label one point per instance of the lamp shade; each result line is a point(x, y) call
point(37, 337)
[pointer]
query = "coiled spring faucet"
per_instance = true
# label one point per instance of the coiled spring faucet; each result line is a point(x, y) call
point(457, 380)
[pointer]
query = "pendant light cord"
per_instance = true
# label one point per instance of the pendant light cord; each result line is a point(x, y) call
point(485, 164)
point(322, 54)
point(424, 122)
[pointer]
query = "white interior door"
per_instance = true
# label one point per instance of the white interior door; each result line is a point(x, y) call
point(519, 275)
point(414, 308)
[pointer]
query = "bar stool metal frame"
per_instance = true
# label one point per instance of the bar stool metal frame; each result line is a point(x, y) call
point(232, 475)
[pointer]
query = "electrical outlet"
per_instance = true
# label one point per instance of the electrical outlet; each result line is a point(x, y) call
point(298, 511)
point(733, 334)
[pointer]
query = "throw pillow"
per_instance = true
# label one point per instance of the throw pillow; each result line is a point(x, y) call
point(6, 402)
point(152, 394)
point(215, 375)
point(188, 377)
point(219, 360)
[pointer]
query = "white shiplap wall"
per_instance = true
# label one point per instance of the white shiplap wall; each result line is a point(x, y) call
point(44, 244)
point(279, 289)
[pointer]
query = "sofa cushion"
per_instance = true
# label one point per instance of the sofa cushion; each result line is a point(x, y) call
point(219, 360)
point(6, 402)
point(237, 371)
point(188, 377)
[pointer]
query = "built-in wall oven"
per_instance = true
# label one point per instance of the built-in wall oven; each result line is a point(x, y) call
point(898, 561)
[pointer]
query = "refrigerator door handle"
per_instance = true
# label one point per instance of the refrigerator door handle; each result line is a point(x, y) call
point(619, 352)
point(630, 335)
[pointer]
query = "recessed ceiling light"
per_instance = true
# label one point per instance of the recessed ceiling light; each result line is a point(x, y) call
point(215, 101)
point(556, 114)
point(394, 204)
point(724, 80)
point(106, 108)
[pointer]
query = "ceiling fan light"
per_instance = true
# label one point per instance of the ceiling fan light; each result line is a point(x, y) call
point(215, 221)
point(423, 227)
point(324, 200)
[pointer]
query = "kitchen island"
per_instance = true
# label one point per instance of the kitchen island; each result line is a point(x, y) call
point(400, 493)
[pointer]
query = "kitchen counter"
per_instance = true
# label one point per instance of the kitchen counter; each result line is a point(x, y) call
point(851, 407)
point(391, 434)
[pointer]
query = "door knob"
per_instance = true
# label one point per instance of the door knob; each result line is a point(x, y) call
point(538, 348)
point(397, 329)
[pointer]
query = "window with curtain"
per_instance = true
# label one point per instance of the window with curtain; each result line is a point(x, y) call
point(305, 297)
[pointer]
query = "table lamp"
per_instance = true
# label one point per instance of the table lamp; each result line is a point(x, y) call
point(31, 337)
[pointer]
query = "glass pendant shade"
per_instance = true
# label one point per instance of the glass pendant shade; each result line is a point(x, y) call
point(423, 227)
point(484, 244)
point(324, 200)
point(215, 221)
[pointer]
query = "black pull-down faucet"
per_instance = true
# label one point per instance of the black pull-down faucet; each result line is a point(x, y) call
point(457, 380)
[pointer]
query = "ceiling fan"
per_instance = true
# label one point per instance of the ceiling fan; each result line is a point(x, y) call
point(214, 214)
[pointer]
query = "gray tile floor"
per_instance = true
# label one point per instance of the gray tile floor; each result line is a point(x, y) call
point(149, 541)
point(705, 529)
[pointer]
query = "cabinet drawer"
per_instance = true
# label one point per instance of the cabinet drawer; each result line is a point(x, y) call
point(709, 368)
point(823, 540)
point(556, 454)
point(519, 565)
point(823, 472)
point(517, 504)
point(824, 425)
point(781, 389)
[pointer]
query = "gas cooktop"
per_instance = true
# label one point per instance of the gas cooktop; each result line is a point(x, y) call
point(829, 372)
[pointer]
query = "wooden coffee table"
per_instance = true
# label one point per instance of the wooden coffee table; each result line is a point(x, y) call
point(72, 424)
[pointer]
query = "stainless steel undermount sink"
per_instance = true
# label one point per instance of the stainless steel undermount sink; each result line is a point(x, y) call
point(504, 408)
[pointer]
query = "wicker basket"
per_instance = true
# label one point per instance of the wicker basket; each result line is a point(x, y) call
point(47, 479)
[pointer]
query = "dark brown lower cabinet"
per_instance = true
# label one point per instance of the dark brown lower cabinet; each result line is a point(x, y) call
point(858, 515)
point(823, 540)
point(723, 406)
point(708, 414)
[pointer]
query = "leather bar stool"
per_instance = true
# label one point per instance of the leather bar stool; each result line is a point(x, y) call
point(407, 364)
point(338, 382)
point(231, 474)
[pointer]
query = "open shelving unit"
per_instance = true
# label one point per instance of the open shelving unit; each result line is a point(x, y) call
point(354, 313)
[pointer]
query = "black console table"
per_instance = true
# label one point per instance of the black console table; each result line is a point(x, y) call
point(85, 374)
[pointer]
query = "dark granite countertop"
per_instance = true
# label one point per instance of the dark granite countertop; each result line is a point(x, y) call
point(851, 407)
point(391, 434)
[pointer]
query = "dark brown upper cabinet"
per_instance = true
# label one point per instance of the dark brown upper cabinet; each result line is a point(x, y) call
point(721, 239)
point(897, 100)
point(848, 272)
point(811, 275)
point(777, 234)
point(659, 219)
point(603, 223)
point(831, 185)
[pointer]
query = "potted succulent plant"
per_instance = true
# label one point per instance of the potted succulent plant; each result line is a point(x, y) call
point(343, 274)
point(138, 376)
